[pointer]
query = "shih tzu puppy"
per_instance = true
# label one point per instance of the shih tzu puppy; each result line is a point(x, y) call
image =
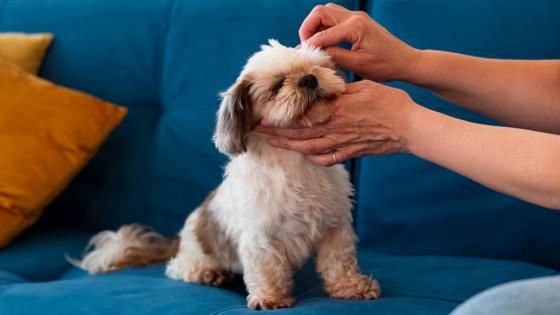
point(273, 209)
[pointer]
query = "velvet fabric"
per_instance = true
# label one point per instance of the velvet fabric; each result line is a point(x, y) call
point(431, 237)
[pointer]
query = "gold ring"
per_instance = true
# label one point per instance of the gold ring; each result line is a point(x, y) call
point(334, 157)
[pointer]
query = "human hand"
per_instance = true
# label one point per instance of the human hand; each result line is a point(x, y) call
point(376, 54)
point(369, 119)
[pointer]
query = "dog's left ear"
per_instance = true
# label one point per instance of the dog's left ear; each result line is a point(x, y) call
point(234, 119)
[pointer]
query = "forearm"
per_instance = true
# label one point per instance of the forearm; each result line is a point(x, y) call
point(521, 163)
point(520, 93)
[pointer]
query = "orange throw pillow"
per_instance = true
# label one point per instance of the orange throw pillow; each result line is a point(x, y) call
point(25, 50)
point(47, 134)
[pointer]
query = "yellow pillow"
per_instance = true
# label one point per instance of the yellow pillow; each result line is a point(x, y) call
point(25, 50)
point(47, 134)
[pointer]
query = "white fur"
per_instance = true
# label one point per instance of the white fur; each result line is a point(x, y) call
point(270, 192)
point(275, 58)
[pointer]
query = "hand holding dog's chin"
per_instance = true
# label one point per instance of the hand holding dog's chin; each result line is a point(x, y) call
point(369, 119)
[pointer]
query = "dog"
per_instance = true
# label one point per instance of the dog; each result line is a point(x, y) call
point(273, 209)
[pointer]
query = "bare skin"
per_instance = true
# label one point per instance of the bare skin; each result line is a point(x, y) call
point(372, 119)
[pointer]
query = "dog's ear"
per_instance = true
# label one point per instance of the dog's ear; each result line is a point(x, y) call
point(234, 119)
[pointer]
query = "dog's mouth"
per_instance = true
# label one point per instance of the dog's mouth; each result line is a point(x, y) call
point(311, 98)
point(290, 111)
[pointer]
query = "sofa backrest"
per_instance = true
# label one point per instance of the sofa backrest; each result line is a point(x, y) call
point(166, 60)
point(410, 206)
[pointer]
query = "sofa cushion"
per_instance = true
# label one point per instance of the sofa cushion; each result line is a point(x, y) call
point(420, 285)
point(39, 255)
point(407, 205)
point(9, 278)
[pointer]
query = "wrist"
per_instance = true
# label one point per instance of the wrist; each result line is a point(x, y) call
point(405, 66)
point(423, 130)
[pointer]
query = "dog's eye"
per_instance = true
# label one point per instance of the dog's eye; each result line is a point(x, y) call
point(277, 86)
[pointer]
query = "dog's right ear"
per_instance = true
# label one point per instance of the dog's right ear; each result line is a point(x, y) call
point(234, 119)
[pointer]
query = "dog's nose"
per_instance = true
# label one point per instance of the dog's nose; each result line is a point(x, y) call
point(309, 82)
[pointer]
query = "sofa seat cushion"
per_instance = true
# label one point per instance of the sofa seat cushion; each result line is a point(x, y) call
point(9, 278)
point(411, 285)
point(40, 255)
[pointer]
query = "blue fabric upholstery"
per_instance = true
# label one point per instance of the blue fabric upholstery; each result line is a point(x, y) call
point(422, 285)
point(410, 206)
point(166, 60)
point(40, 255)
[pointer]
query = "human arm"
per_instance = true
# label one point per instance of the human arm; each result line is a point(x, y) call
point(520, 93)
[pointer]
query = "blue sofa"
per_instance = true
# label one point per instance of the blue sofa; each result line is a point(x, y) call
point(431, 237)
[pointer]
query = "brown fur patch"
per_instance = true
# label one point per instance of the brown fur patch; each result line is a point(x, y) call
point(205, 226)
point(235, 118)
point(145, 256)
point(316, 114)
point(268, 276)
point(210, 236)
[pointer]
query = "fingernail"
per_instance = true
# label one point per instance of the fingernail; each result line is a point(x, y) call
point(311, 41)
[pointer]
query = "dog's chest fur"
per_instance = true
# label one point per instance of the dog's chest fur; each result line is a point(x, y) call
point(279, 199)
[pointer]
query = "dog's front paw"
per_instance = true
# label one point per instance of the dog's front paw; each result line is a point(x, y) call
point(209, 276)
point(358, 287)
point(269, 303)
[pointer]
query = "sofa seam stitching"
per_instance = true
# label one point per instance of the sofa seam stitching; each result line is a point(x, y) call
point(155, 138)
point(163, 47)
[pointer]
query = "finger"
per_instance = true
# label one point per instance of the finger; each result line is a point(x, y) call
point(342, 57)
point(311, 146)
point(334, 35)
point(342, 154)
point(319, 18)
point(356, 87)
point(292, 133)
point(336, 6)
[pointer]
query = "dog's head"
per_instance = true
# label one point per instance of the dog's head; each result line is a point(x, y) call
point(278, 84)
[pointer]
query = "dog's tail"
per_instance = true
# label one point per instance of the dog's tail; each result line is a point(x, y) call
point(131, 245)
